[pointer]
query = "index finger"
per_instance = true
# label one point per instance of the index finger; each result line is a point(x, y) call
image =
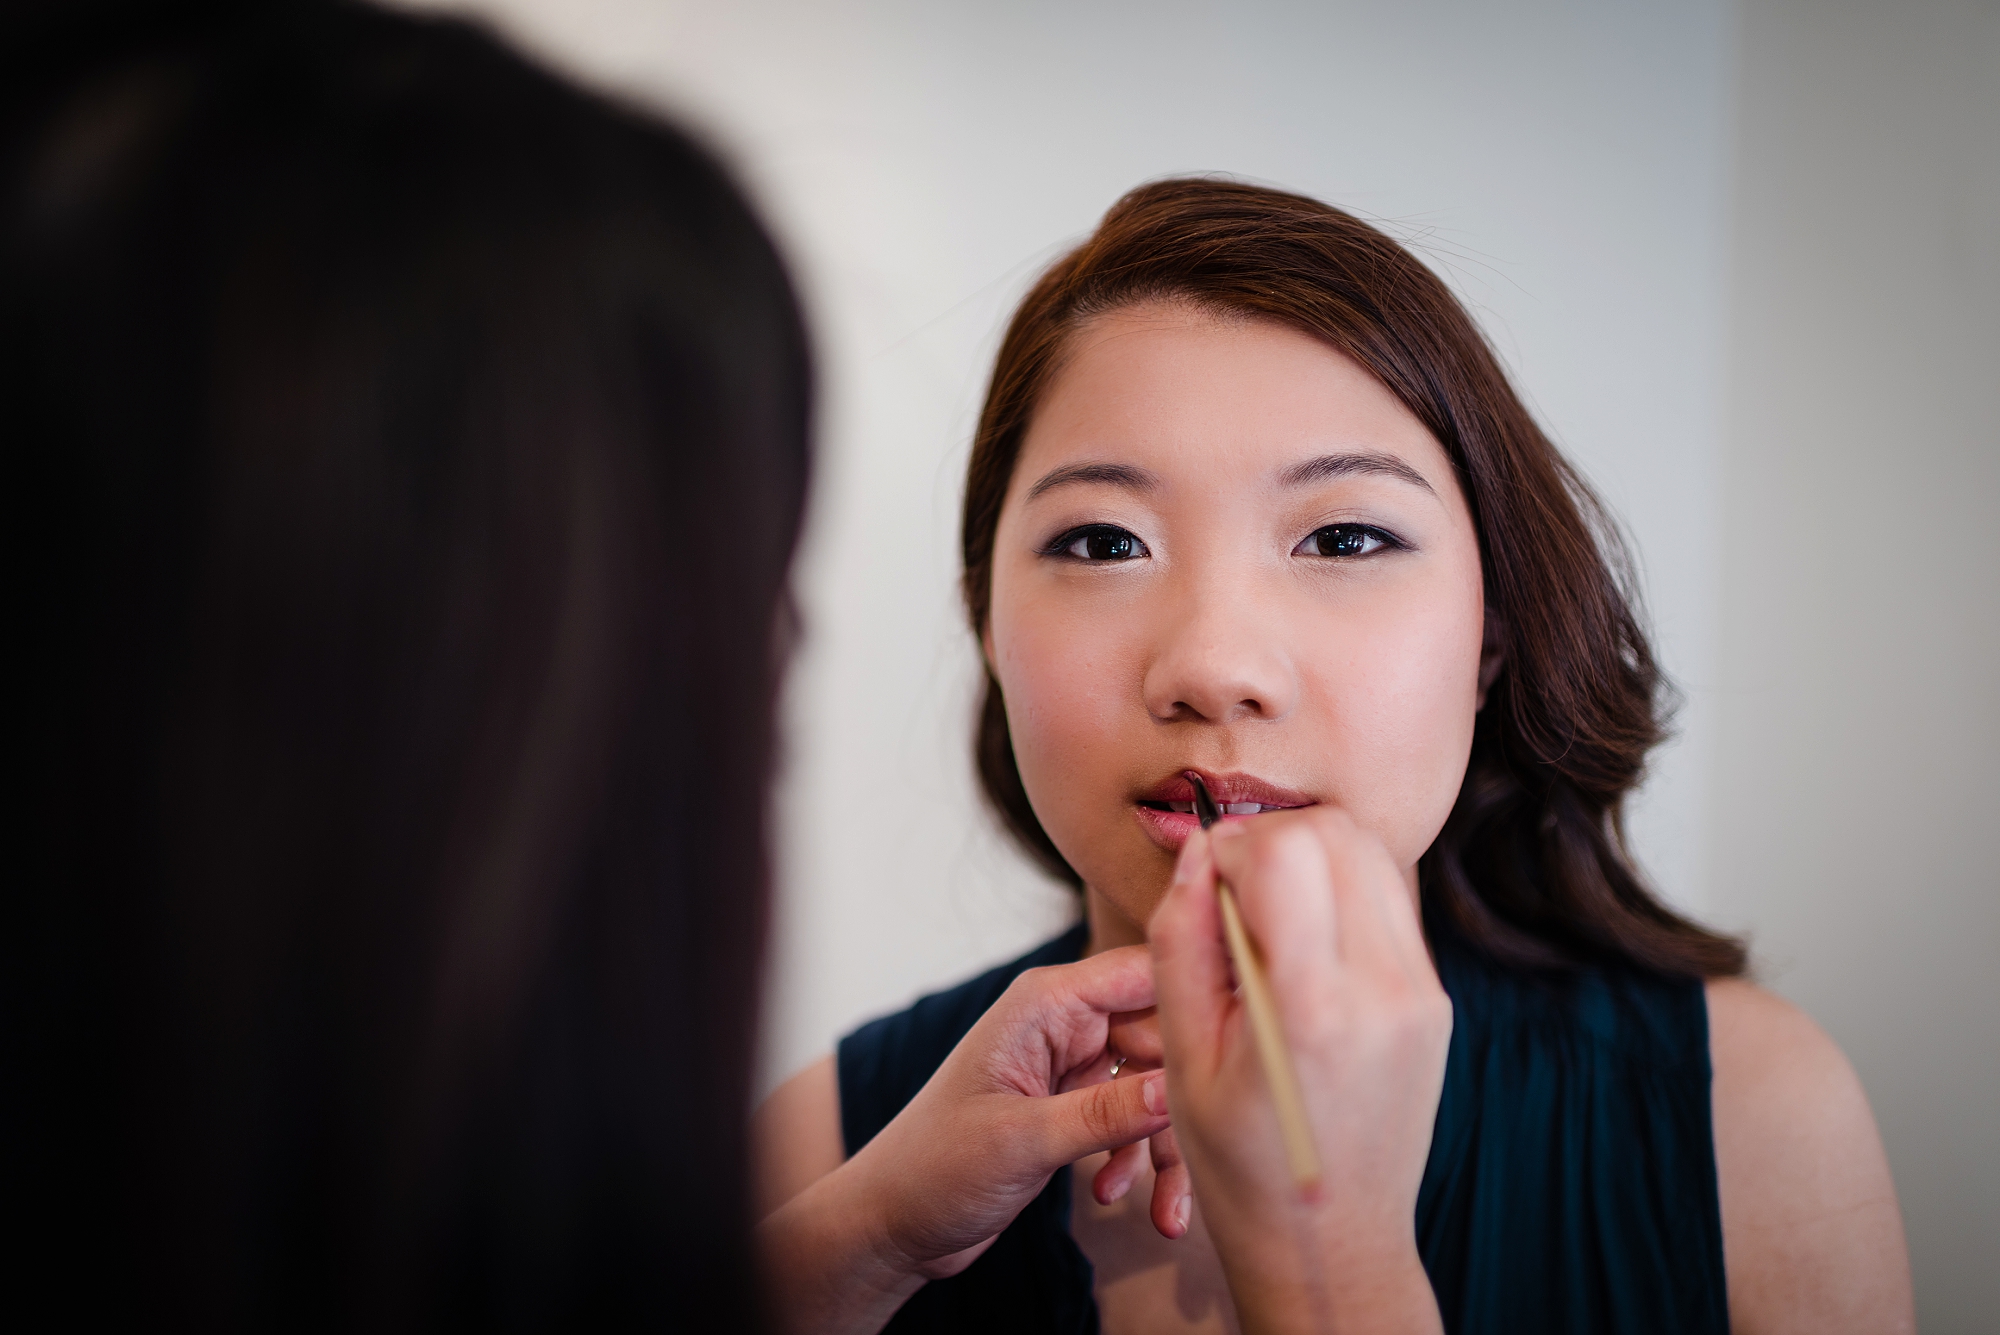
point(1065, 1010)
point(1278, 867)
point(1190, 969)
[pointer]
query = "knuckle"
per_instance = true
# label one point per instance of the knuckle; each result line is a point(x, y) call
point(1411, 1021)
point(1038, 985)
point(1421, 1016)
point(1440, 1012)
point(1020, 989)
point(1278, 851)
point(1330, 820)
point(1100, 1112)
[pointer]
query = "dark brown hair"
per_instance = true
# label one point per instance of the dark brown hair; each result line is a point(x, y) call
point(1531, 866)
point(404, 456)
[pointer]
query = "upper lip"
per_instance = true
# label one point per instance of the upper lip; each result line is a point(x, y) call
point(1225, 789)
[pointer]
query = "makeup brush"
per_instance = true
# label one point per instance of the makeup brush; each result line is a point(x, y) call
point(1257, 999)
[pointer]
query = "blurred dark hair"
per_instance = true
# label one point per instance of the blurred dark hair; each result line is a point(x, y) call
point(1531, 865)
point(404, 454)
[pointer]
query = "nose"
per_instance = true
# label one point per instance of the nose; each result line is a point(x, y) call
point(1220, 663)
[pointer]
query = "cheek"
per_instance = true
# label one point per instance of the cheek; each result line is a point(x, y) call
point(1398, 700)
point(1070, 671)
point(1067, 682)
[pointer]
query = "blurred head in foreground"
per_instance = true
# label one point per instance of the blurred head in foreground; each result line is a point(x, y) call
point(404, 454)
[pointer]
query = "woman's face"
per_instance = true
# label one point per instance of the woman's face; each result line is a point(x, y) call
point(1226, 548)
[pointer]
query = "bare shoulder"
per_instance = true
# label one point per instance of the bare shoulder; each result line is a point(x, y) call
point(795, 1135)
point(1812, 1236)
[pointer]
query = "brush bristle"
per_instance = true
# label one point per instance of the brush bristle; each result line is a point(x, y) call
point(1205, 809)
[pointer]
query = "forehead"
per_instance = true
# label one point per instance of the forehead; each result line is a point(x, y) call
point(1172, 387)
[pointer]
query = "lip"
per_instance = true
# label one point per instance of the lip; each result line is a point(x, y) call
point(1170, 829)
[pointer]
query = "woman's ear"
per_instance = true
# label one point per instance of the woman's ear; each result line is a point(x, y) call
point(1492, 654)
point(986, 648)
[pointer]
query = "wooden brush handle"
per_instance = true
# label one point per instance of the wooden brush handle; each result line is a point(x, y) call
point(1271, 1050)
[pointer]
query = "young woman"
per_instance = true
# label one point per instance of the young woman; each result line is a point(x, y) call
point(1252, 498)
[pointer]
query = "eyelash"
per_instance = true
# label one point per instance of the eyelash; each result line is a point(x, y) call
point(1060, 547)
point(1385, 541)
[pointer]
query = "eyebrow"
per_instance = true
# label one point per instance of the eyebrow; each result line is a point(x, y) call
point(1116, 475)
point(1330, 466)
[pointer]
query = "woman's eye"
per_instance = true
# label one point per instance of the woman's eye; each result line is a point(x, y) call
point(1345, 540)
point(1099, 542)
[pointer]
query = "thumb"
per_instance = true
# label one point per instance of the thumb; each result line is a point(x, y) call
point(1103, 1116)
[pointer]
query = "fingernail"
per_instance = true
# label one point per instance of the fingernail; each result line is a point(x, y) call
point(1181, 1213)
point(1155, 1093)
point(1117, 1192)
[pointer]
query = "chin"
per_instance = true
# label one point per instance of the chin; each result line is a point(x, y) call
point(1131, 891)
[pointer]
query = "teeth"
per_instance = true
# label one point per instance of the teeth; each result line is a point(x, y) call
point(1226, 808)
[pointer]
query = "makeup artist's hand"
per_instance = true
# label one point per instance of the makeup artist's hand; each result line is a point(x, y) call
point(1367, 1024)
point(1136, 1038)
point(1025, 1093)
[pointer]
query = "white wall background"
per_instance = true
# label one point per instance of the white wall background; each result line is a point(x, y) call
point(1731, 251)
point(1857, 785)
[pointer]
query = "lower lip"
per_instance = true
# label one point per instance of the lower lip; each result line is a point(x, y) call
point(1170, 829)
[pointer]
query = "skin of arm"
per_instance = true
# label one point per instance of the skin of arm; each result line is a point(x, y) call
point(1811, 1233)
point(796, 1136)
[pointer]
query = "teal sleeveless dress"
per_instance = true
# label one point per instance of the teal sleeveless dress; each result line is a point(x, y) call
point(1571, 1181)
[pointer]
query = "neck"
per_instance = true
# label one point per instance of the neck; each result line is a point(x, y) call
point(1110, 926)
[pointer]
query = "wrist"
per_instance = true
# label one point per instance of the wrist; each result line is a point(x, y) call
point(1330, 1275)
point(833, 1264)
